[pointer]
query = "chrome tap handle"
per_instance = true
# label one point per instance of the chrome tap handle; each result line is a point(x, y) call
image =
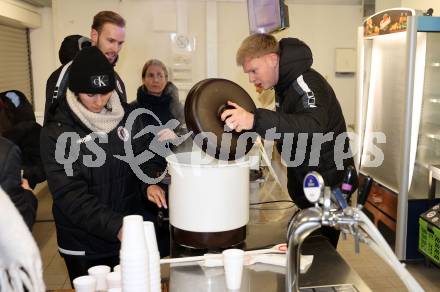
point(326, 205)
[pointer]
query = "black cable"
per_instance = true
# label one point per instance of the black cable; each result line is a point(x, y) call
point(271, 202)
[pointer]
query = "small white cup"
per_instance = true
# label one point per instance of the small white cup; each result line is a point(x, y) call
point(84, 284)
point(233, 262)
point(113, 280)
point(100, 273)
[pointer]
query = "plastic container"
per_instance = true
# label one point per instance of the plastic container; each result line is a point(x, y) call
point(429, 234)
point(208, 197)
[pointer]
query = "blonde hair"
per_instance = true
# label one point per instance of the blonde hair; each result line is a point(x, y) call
point(156, 63)
point(255, 46)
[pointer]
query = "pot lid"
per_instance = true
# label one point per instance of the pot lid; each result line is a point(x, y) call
point(204, 104)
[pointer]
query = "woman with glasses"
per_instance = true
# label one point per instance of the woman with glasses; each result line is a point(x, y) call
point(161, 98)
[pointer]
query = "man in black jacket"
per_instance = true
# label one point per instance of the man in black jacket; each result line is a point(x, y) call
point(18, 124)
point(11, 182)
point(108, 34)
point(70, 46)
point(308, 115)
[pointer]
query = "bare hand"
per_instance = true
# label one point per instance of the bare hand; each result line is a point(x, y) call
point(25, 184)
point(166, 134)
point(237, 119)
point(120, 234)
point(156, 195)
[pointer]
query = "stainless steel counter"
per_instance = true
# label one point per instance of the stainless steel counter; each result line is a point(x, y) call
point(267, 227)
point(328, 268)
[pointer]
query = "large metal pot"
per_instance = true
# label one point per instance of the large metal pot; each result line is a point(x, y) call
point(208, 200)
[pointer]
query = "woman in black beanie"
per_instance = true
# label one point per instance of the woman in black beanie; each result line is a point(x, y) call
point(92, 187)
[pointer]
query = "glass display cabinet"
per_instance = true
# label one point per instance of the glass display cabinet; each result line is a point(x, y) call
point(398, 120)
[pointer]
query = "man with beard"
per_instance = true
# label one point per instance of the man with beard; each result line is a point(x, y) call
point(108, 34)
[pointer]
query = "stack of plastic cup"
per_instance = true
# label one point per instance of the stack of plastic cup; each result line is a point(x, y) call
point(113, 280)
point(153, 257)
point(133, 256)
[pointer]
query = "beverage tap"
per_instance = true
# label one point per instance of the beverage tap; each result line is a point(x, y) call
point(305, 222)
point(340, 215)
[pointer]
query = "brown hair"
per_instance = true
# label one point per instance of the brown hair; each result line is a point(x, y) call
point(104, 17)
point(255, 46)
point(154, 62)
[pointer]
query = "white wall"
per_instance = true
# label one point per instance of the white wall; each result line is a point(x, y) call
point(232, 29)
point(42, 58)
point(148, 29)
point(422, 5)
point(150, 23)
point(323, 27)
point(386, 4)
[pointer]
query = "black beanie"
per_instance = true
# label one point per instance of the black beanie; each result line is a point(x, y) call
point(91, 72)
point(71, 45)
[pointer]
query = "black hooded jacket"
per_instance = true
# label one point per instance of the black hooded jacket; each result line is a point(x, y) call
point(18, 124)
point(166, 107)
point(90, 203)
point(10, 181)
point(305, 105)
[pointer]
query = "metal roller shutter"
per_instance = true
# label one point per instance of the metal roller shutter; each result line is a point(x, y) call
point(15, 67)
